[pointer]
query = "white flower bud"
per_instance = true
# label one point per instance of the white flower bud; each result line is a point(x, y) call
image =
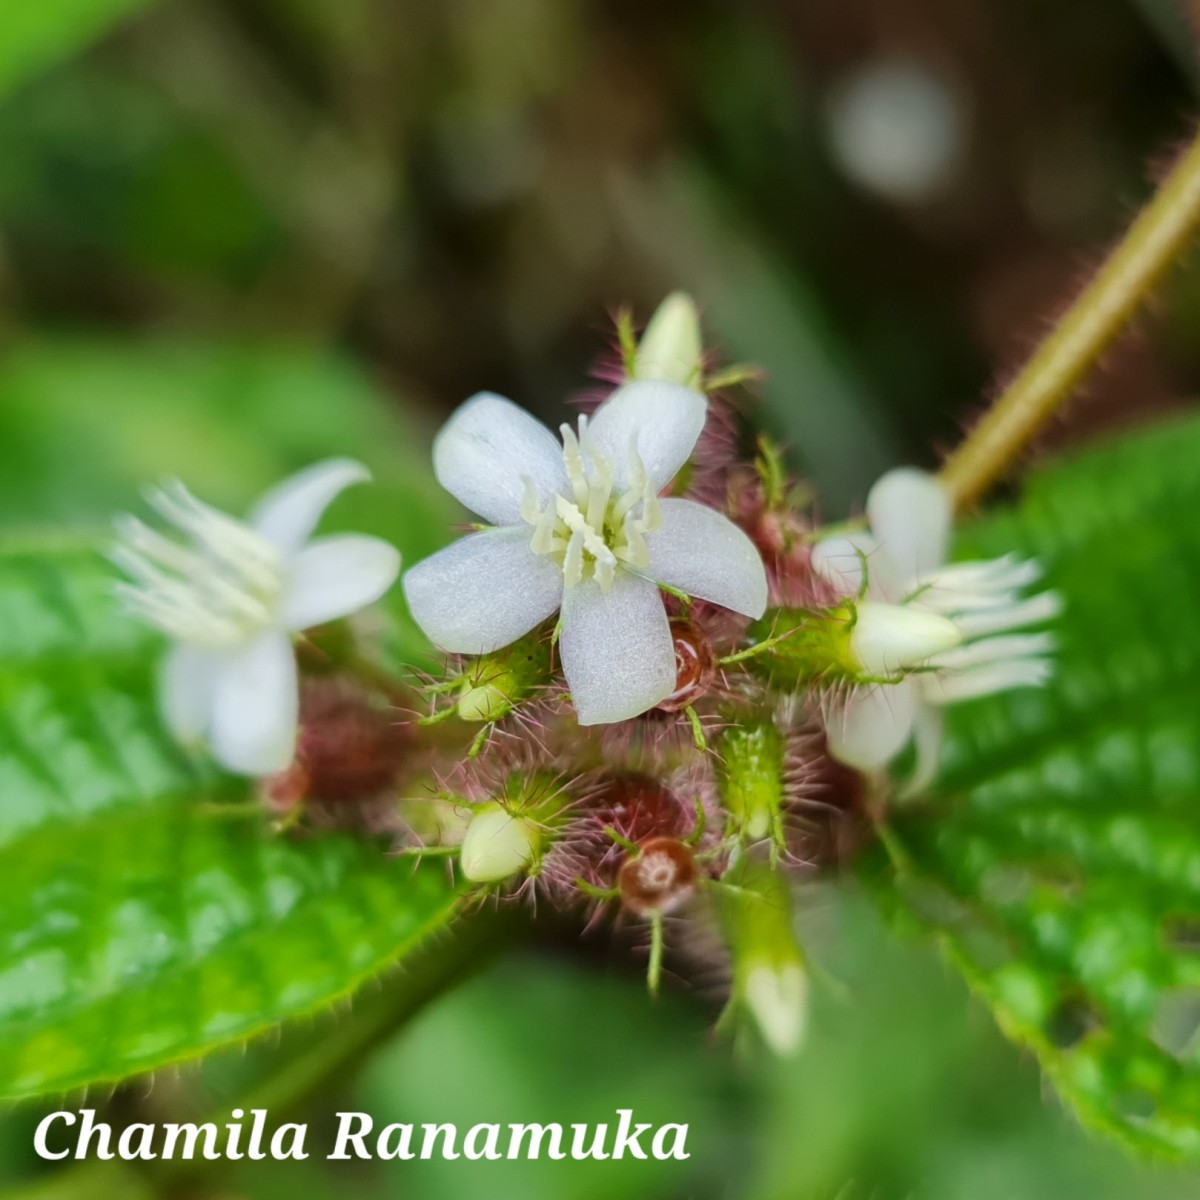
point(889, 638)
point(777, 997)
point(670, 350)
point(498, 845)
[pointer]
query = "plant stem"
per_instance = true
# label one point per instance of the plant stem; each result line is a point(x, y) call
point(1106, 305)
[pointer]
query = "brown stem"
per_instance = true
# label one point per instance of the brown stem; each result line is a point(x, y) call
point(1152, 244)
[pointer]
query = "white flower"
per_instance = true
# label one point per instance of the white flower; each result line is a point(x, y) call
point(233, 599)
point(953, 622)
point(580, 527)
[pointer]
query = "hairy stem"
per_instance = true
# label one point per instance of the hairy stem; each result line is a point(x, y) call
point(1106, 305)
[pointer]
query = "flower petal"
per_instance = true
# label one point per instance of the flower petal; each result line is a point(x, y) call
point(1003, 675)
point(256, 707)
point(994, 649)
point(187, 681)
point(927, 740)
point(1045, 606)
point(617, 652)
point(702, 553)
point(910, 514)
point(335, 576)
point(289, 512)
point(487, 450)
point(483, 592)
point(660, 420)
point(874, 725)
point(1003, 574)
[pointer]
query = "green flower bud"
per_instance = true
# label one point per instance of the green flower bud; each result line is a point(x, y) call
point(487, 700)
point(494, 684)
point(800, 647)
point(751, 762)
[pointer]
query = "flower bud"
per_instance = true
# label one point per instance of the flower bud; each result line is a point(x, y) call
point(802, 647)
point(769, 975)
point(637, 806)
point(751, 761)
point(890, 638)
point(852, 642)
point(497, 845)
point(619, 810)
point(488, 699)
point(671, 348)
point(350, 748)
point(494, 684)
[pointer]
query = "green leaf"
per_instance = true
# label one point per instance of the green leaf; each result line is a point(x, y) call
point(146, 915)
point(35, 36)
point(1059, 857)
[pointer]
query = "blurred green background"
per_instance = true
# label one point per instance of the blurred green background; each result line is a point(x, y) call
point(229, 229)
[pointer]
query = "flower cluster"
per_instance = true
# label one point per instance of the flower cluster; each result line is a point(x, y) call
point(665, 692)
